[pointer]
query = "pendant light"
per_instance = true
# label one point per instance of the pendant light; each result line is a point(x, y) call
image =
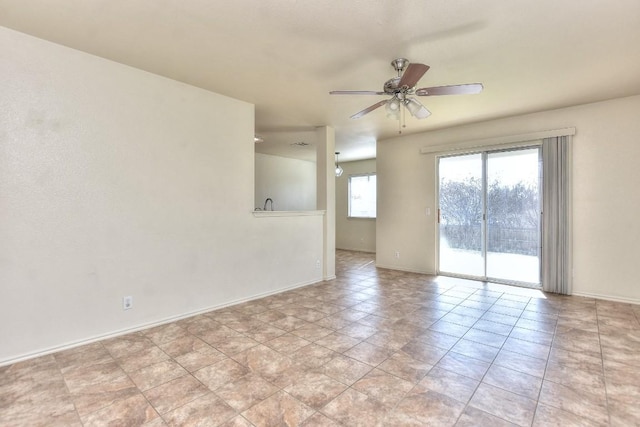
point(338, 167)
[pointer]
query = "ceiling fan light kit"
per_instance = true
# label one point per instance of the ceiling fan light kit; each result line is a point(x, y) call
point(402, 89)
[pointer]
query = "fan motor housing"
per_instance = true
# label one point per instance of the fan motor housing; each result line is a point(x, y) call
point(391, 87)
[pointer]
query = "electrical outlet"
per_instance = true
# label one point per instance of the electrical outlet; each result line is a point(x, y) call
point(318, 264)
point(397, 254)
point(127, 303)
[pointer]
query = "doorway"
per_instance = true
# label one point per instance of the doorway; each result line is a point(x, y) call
point(489, 215)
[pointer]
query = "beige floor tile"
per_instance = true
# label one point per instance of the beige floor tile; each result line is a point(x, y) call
point(383, 387)
point(338, 342)
point(312, 332)
point(623, 414)
point(353, 408)
point(449, 328)
point(133, 411)
point(538, 337)
point(485, 338)
point(84, 377)
point(313, 355)
point(513, 381)
point(406, 367)
point(39, 412)
point(476, 350)
point(157, 374)
point(591, 404)
point(196, 360)
point(622, 385)
point(220, 373)
point(345, 369)
point(578, 341)
point(207, 410)
point(237, 421)
point(102, 394)
point(86, 355)
point(185, 344)
point(430, 408)
point(287, 343)
point(264, 333)
point(394, 339)
point(319, 420)
point(143, 358)
point(165, 333)
point(575, 370)
point(521, 363)
point(246, 391)
point(278, 410)
point(175, 393)
point(550, 416)
point(504, 404)
point(372, 347)
point(449, 384)
point(234, 345)
point(424, 352)
point(472, 417)
point(527, 348)
point(369, 353)
point(126, 345)
point(438, 339)
point(315, 389)
point(464, 365)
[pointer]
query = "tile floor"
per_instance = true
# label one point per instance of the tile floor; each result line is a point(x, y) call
point(371, 348)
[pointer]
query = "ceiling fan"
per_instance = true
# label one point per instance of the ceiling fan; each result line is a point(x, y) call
point(402, 88)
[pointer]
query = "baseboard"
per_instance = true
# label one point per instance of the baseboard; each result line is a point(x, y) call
point(357, 250)
point(607, 297)
point(408, 270)
point(144, 326)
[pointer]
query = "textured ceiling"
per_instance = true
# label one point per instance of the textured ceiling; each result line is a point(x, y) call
point(285, 56)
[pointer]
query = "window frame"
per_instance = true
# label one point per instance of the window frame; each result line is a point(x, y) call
point(360, 175)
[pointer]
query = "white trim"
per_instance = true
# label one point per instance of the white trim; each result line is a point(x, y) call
point(327, 278)
point(408, 270)
point(607, 297)
point(149, 325)
point(356, 250)
point(511, 140)
point(271, 214)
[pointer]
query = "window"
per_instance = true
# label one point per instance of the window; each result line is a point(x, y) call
point(362, 196)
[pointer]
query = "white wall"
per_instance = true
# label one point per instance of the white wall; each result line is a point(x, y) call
point(606, 200)
point(290, 183)
point(116, 182)
point(356, 234)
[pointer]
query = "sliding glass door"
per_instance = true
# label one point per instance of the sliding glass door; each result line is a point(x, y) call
point(489, 215)
point(460, 215)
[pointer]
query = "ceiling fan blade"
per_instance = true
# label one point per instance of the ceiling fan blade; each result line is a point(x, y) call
point(412, 74)
point(369, 109)
point(466, 89)
point(355, 92)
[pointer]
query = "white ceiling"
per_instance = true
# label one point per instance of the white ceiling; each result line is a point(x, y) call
point(285, 56)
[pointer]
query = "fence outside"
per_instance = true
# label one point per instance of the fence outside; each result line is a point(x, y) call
point(522, 241)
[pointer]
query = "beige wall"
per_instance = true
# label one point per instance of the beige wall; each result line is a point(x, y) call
point(116, 182)
point(356, 234)
point(290, 183)
point(606, 200)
